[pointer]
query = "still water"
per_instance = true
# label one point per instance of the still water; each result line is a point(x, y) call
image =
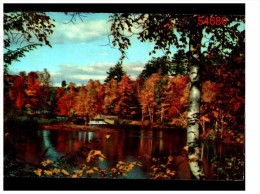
point(126, 144)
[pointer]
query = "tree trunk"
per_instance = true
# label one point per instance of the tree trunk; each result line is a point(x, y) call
point(193, 115)
point(194, 153)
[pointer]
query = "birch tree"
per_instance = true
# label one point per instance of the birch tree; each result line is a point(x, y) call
point(181, 32)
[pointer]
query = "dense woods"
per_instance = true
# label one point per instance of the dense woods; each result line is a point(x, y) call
point(160, 99)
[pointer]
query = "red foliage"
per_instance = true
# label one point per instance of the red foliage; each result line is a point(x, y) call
point(226, 109)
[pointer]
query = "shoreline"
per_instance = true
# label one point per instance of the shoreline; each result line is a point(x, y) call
point(68, 126)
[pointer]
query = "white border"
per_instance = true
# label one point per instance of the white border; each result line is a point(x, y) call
point(252, 86)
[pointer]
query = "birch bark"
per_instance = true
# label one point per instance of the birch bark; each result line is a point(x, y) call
point(193, 115)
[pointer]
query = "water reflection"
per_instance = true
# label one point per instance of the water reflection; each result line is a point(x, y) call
point(51, 152)
point(122, 145)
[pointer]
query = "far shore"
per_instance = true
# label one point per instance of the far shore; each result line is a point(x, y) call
point(70, 126)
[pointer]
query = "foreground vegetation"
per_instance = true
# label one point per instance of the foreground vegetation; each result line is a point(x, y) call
point(84, 163)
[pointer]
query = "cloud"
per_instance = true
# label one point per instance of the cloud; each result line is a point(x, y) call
point(134, 69)
point(80, 32)
point(80, 74)
point(96, 71)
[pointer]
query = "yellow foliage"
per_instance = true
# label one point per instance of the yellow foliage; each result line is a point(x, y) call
point(120, 167)
point(48, 172)
point(56, 171)
point(93, 153)
point(90, 171)
point(139, 164)
point(131, 166)
point(46, 163)
point(208, 94)
point(78, 173)
point(186, 147)
point(65, 172)
point(38, 172)
point(113, 170)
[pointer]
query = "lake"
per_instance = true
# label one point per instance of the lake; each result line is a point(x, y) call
point(127, 144)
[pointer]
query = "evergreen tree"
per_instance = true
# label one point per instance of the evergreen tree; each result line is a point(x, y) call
point(115, 72)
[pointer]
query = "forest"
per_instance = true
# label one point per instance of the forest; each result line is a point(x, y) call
point(155, 96)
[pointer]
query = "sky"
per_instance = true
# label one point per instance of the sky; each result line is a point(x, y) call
point(80, 51)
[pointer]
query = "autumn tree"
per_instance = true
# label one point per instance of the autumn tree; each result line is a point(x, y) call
point(94, 98)
point(183, 32)
point(147, 97)
point(127, 105)
point(172, 100)
point(59, 92)
point(161, 97)
point(111, 95)
point(32, 92)
point(67, 101)
point(81, 101)
point(99, 88)
point(44, 91)
point(17, 93)
point(180, 98)
point(223, 98)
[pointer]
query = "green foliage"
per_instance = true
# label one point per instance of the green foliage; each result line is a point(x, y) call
point(165, 66)
point(14, 55)
point(49, 121)
point(167, 30)
point(159, 65)
point(23, 32)
point(179, 63)
point(115, 72)
point(15, 120)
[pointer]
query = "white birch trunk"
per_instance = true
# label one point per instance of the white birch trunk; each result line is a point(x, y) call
point(194, 153)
